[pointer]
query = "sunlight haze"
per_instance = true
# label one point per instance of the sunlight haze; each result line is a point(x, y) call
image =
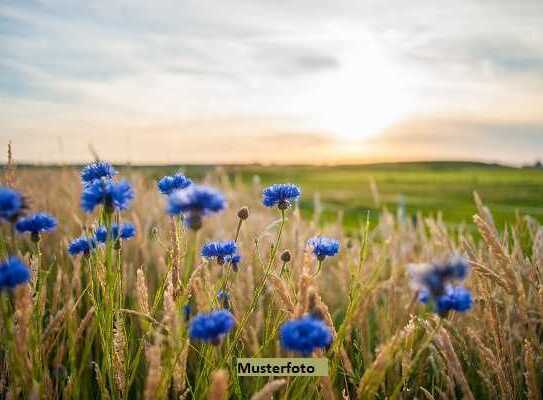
point(272, 82)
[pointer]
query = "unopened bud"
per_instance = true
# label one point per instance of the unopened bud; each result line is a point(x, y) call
point(243, 213)
point(285, 256)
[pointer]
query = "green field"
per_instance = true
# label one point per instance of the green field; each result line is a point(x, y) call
point(428, 187)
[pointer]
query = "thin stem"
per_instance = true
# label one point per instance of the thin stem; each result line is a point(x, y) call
point(319, 266)
point(260, 287)
point(238, 230)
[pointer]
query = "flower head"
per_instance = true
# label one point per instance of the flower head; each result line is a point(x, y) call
point(221, 251)
point(113, 195)
point(280, 195)
point(96, 171)
point(11, 204)
point(440, 285)
point(436, 277)
point(36, 223)
point(196, 198)
point(456, 298)
point(170, 183)
point(81, 245)
point(13, 272)
point(211, 327)
point(323, 247)
point(305, 335)
point(116, 232)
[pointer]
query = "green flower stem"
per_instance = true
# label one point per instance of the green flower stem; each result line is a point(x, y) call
point(259, 290)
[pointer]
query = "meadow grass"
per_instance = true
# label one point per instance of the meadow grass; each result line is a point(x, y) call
point(112, 325)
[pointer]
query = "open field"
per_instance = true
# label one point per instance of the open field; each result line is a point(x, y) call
point(426, 187)
point(111, 323)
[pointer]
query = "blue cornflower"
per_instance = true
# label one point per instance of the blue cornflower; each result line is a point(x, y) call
point(280, 195)
point(219, 250)
point(211, 327)
point(13, 272)
point(456, 298)
point(194, 202)
point(224, 299)
point(323, 247)
point(11, 204)
point(36, 224)
point(436, 277)
point(96, 171)
point(305, 335)
point(114, 195)
point(170, 183)
point(122, 231)
point(439, 284)
point(81, 245)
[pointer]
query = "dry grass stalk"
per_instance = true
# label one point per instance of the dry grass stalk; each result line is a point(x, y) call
point(142, 294)
point(531, 375)
point(180, 369)
point(374, 375)
point(154, 369)
point(23, 315)
point(490, 237)
point(85, 322)
point(302, 300)
point(453, 363)
point(119, 354)
point(199, 294)
point(326, 388)
point(218, 389)
point(281, 293)
point(266, 393)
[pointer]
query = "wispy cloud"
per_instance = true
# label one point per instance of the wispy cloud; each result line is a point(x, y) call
point(347, 70)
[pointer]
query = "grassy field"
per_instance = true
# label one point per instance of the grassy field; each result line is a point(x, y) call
point(428, 187)
point(425, 187)
point(111, 323)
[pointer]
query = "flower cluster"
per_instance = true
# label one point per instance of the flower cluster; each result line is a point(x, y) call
point(194, 202)
point(171, 183)
point(305, 335)
point(211, 327)
point(116, 232)
point(441, 285)
point(281, 195)
point(13, 272)
point(323, 247)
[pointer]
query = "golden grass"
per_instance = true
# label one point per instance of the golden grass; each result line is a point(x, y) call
point(63, 344)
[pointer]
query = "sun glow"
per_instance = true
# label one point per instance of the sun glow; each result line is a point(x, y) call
point(364, 96)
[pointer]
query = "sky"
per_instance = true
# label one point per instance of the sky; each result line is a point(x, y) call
point(307, 81)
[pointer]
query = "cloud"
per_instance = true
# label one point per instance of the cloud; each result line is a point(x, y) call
point(68, 69)
point(462, 137)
